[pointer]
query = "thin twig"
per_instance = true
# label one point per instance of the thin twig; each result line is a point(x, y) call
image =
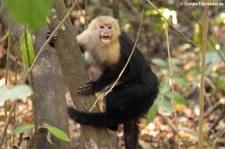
point(202, 84)
point(174, 115)
point(169, 123)
point(7, 76)
point(13, 58)
point(217, 138)
point(8, 50)
point(212, 109)
point(218, 119)
point(125, 66)
point(163, 93)
point(4, 37)
point(7, 123)
point(170, 62)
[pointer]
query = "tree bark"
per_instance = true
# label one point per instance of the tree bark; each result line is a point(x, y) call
point(74, 73)
point(49, 105)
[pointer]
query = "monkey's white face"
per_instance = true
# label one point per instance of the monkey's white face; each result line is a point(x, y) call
point(105, 30)
point(105, 33)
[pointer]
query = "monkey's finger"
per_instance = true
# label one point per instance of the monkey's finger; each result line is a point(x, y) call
point(55, 37)
point(85, 90)
point(89, 83)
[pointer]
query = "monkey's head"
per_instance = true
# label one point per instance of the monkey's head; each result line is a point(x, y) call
point(106, 29)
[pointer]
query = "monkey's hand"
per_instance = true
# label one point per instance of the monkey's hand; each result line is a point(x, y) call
point(52, 41)
point(87, 89)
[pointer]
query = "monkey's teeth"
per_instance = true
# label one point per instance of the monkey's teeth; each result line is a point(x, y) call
point(105, 36)
point(105, 39)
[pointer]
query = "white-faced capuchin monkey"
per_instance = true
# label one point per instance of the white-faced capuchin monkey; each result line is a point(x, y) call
point(131, 99)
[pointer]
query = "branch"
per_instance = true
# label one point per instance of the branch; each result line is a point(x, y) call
point(116, 9)
point(7, 122)
point(170, 63)
point(202, 85)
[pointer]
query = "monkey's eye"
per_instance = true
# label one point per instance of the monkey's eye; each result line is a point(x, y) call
point(101, 27)
point(110, 27)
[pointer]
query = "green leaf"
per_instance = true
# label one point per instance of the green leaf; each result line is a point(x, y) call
point(24, 49)
point(164, 88)
point(220, 84)
point(31, 13)
point(182, 81)
point(178, 70)
point(152, 112)
point(212, 59)
point(57, 132)
point(17, 92)
point(159, 62)
point(23, 128)
point(177, 97)
point(164, 103)
point(175, 61)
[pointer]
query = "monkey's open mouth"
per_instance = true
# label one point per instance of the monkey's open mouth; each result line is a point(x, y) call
point(105, 39)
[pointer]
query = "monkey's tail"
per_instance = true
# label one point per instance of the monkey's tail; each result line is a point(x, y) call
point(100, 119)
point(131, 132)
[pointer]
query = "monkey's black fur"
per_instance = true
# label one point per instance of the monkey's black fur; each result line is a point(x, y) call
point(128, 101)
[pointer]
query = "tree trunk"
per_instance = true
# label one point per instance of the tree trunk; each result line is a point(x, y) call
point(49, 104)
point(74, 73)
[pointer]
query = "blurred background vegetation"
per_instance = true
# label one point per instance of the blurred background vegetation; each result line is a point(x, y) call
point(173, 119)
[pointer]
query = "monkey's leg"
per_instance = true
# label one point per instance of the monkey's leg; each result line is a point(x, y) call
point(131, 133)
point(114, 128)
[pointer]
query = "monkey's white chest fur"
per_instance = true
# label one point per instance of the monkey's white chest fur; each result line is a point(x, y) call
point(106, 55)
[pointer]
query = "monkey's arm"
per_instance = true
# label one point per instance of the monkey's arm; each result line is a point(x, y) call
point(84, 40)
point(107, 77)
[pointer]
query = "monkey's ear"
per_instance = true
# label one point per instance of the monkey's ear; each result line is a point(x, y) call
point(116, 21)
point(116, 24)
point(92, 24)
